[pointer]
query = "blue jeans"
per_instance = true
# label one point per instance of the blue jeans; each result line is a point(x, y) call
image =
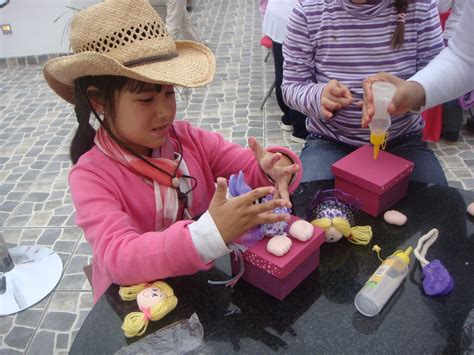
point(319, 154)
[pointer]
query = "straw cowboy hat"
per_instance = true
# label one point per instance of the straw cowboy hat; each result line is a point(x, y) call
point(127, 38)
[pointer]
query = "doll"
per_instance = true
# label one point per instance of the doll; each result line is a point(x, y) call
point(279, 244)
point(333, 211)
point(154, 300)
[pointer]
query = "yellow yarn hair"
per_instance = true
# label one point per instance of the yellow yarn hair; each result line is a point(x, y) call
point(136, 323)
point(356, 235)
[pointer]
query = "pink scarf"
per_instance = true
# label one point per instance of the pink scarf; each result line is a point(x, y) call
point(169, 208)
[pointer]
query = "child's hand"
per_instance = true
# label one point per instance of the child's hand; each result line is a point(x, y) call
point(236, 216)
point(334, 97)
point(279, 167)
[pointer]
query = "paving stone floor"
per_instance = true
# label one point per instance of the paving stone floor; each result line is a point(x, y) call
point(35, 131)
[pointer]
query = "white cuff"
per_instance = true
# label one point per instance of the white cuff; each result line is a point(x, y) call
point(207, 239)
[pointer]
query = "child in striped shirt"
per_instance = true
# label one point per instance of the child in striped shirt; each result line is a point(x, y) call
point(330, 47)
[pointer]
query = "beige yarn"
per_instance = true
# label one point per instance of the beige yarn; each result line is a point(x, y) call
point(108, 37)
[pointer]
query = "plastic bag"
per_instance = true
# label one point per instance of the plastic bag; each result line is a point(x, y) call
point(183, 337)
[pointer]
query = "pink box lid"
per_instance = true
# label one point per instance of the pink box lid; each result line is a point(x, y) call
point(281, 266)
point(376, 175)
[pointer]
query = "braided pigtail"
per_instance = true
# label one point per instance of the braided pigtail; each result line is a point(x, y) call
point(399, 34)
point(83, 140)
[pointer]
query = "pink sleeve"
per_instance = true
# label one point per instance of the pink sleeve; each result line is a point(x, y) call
point(121, 251)
point(227, 158)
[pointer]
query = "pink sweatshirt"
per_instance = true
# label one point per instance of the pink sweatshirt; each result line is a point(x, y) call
point(116, 209)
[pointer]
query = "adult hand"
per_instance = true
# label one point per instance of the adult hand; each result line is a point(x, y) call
point(409, 96)
point(238, 215)
point(334, 97)
point(279, 167)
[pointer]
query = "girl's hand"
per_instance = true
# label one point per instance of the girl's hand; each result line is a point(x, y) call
point(279, 167)
point(334, 97)
point(238, 215)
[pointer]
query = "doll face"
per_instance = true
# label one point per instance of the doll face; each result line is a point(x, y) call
point(333, 235)
point(149, 297)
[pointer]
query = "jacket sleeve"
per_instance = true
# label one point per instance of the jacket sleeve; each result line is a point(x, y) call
point(227, 158)
point(449, 75)
point(120, 250)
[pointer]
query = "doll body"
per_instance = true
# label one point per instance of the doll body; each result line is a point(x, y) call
point(280, 243)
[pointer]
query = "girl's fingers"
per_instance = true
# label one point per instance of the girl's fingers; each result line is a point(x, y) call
point(256, 148)
point(275, 158)
point(284, 194)
point(268, 206)
point(287, 170)
point(329, 104)
point(252, 196)
point(273, 217)
point(327, 114)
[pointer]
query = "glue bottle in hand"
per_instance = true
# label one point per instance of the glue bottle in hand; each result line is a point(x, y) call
point(383, 283)
point(383, 93)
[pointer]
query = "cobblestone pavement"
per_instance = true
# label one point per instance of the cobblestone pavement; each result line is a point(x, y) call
point(35, 131)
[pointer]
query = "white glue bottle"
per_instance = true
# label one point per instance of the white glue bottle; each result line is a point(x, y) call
point(383, 283)
point(383, 93)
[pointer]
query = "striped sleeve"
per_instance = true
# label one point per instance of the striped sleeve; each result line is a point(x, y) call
point(300, 90)
point(429, 38)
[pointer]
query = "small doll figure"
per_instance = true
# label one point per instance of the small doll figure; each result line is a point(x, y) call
point(154, 300)
point(333, 211)
point(279, 244)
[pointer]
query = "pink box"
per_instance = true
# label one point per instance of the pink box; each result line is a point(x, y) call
point(279, 275)
point(378, 183)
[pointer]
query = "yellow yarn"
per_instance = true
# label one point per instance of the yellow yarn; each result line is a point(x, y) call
point(361, 235)
point(357, 235)
point(136, 323)
point(130, 293)
point(323, 223)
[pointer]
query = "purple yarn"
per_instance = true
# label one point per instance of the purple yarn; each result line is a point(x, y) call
point(436, 279)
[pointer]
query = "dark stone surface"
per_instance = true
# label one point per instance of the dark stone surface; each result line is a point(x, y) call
point(319, 316)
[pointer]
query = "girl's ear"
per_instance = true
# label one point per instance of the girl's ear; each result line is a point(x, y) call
point(95, 99)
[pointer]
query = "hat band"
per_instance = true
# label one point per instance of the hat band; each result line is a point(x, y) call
point(153, 58)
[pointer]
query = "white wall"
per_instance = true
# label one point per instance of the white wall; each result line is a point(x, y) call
point(34, 30)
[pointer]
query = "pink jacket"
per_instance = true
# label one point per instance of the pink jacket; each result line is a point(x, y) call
point(115, 209)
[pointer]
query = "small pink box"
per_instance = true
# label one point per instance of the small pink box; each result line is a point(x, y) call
point(279, 275)
point(378, 183)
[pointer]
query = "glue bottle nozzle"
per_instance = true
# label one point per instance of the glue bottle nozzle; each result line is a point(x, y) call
point(377, 139)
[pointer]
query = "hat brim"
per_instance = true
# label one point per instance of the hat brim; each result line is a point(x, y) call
point(193, 67)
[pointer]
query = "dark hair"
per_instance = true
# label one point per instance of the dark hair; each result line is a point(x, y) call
point(107, 88)
point(399, 34)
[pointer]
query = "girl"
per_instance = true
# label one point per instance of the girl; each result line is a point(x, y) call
point(330, 48)
point(140, 179)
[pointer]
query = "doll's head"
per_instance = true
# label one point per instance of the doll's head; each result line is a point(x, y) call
point(333, 211)
point(154, 300)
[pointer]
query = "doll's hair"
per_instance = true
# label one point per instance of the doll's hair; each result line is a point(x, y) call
point(135, 323)
point(357, 235)
point(399, 34)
